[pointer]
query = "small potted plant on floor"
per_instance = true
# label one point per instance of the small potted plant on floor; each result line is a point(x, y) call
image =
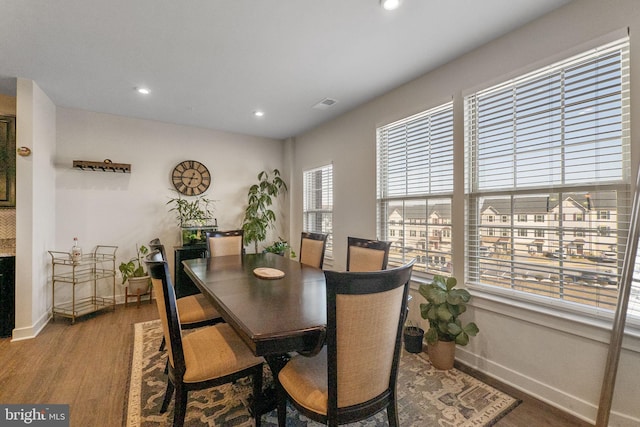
point(444, 305)
point(133, 273)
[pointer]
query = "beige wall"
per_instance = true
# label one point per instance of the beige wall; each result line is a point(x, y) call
point(128, 209)
point(35, 206)
point(7, 105)
point(556, 356)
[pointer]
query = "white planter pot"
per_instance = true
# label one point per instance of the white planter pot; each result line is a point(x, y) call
point(138, 285)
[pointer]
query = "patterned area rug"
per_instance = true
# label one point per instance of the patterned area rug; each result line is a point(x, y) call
point(426, 396)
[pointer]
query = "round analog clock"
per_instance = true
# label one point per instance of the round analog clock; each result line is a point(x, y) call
point(191, 177)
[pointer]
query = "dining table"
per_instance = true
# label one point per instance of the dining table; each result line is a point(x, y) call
point(275, 304)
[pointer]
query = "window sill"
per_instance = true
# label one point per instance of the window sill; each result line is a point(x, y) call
point(595, 325)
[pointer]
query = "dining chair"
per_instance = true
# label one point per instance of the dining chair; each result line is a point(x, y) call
point(312, 247)
point(155, 244)
point(222, 243)
point(354, 376)
point(205, 358)
point(367, 255)
point(195, 311)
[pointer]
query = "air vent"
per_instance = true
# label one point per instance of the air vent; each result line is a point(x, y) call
point(325, 103)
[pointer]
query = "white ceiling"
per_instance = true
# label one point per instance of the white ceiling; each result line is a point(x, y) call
point(211, 63)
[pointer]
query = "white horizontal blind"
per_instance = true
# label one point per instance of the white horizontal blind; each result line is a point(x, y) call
point(415, 184)
point(318, 203)
point(547, 178)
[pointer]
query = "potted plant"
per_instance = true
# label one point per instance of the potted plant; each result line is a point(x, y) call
point(444, 305)
point(133, 273)
point(413, 336)
point(258, 216)
point(280, 247)
point(194, 217)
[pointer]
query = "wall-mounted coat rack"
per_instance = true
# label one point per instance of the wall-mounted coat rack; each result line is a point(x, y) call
point(104, 166)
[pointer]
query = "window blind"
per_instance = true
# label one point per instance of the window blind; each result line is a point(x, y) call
point(318, 203)
point(415, 185)
point(549, 152)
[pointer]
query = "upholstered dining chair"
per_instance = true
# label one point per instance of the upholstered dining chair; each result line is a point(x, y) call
point(354, 376)
point(207, 357)
point(312, 247)
point(221, 243)
point(195, 311)
point(367, 255)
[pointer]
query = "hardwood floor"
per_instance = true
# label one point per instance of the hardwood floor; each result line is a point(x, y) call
point(86, 365)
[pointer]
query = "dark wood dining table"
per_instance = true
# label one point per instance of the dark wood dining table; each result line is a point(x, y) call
point(272, 316)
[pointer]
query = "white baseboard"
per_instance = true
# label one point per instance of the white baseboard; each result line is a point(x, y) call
point(570, 404)
point(19, 334)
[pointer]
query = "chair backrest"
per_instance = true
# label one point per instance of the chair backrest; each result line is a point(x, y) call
point(312, 247)
point(167, 309)
point(222, 243)
point(367, 255)
point(365, 314)
point(155, 245)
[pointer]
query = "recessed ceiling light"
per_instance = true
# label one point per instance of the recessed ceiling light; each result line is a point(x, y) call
point(143, 90)
point(258, 113)
point(390, 4)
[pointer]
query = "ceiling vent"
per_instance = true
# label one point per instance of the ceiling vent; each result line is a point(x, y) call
point(325, 103)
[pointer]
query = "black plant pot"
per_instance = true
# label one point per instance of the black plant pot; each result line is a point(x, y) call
point(413, 339)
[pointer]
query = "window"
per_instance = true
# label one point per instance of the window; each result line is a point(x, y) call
point(415, 181)
point(553, 144)
point(522, 217)
point(318, 203)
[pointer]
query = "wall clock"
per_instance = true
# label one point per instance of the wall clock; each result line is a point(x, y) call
point(191, 178)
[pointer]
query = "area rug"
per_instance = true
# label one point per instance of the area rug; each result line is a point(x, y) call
point(426, 396)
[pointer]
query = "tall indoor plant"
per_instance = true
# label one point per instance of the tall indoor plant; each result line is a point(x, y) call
point(444, 305)
point(258, 216)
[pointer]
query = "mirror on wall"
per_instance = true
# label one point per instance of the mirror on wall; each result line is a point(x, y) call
point(7, 161)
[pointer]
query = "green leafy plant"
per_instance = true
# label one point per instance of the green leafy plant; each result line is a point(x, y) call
point(258, 216)
point(134, 267)
point(198, 211)
point(444, 305)
point(280, 247)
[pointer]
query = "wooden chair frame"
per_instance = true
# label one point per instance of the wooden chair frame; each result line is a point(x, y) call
point(155, 245)
point(229, 233)
point(313, 236)
point(378, 245)
point(355, 283)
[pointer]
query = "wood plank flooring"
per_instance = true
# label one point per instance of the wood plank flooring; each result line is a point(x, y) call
point(86, 365)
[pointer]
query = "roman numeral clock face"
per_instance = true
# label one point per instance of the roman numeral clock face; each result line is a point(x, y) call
point(191, 177)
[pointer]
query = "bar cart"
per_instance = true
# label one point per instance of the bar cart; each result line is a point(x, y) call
point(87, 271)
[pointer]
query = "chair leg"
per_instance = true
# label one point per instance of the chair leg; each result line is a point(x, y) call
point(257, 394)
point(180, 409)
point(392, 414)
point(281, 398)
point(162, 344)
point(167, 397)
